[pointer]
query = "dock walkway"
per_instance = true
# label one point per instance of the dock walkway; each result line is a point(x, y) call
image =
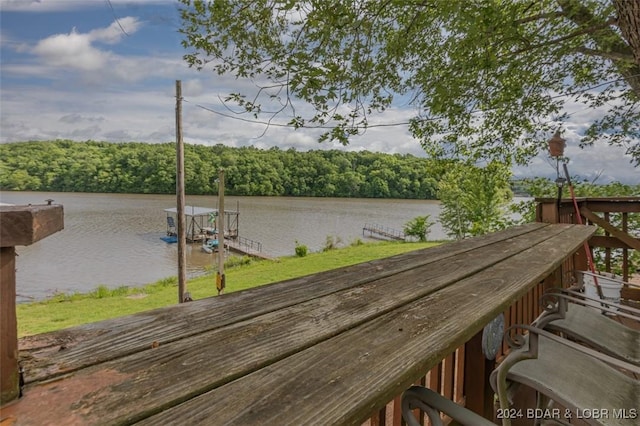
point(383, 231)
point(246, 246)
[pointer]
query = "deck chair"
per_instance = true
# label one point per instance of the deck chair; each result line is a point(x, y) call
point(576, 377)
point(432, 403)
point(559, 370)
point(171, 226)
point(585, 319)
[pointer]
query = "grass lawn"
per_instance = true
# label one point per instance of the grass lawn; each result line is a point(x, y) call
point(65, 310)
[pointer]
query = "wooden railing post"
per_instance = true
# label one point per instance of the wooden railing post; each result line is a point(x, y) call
point(9, 378)
point(19, 226)
point(477, 368)
point(547, 211)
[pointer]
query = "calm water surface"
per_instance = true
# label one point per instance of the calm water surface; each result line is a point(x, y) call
point(114, 239)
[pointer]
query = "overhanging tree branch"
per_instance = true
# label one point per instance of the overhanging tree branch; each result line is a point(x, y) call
point(614, 56)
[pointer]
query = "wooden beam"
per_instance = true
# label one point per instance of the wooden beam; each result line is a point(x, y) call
point(24, 225)
point(547, 212)
point(608, 242)
point(622, 236)
point(477, 369)
point(9, 378)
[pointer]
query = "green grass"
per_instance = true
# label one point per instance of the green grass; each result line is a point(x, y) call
point(66, 310)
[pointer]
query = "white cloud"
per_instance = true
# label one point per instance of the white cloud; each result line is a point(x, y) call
point(193, 87)
point(145, 115)
point(116, 31)
point(76, 50)
point(600, 163)
point(76, 118)
point(71, 50)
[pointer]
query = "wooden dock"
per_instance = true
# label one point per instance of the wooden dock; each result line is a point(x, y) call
point(247, 247)
point(383, 231)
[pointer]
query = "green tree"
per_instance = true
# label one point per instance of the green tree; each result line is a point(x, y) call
point(474, 199)
point(418, 227)
point(492, 76)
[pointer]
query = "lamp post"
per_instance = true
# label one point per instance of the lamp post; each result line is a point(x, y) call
point(557, 145)
point(556, 149)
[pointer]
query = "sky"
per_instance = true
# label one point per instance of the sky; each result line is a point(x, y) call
point(106, 71)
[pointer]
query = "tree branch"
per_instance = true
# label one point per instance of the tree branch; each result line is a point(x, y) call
point(614, 56)
point(583, 31)
point(539, 17)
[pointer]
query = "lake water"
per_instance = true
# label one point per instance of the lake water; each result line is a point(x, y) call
point(114, 239)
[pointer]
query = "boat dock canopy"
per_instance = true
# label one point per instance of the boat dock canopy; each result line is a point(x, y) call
point(197, 211)
point(192, 211)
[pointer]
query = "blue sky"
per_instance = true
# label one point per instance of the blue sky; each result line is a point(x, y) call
point(92, 69)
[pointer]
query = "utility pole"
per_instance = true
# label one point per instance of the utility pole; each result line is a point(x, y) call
point(182, 241)
point(220, 278)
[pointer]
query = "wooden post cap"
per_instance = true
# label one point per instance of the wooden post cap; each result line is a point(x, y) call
point(24, 225)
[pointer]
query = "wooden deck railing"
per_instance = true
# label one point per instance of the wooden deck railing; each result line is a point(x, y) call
point(19, 226)
point(617, 238)
point(329, 348)
point(612, 215)
point(462, 376)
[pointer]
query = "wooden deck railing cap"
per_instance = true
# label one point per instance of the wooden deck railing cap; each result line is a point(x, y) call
point(590, 199)
point(26, 224)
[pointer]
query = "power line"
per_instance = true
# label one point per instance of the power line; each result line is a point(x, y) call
point(267, 123)
point(401, 123)
point(116, 18)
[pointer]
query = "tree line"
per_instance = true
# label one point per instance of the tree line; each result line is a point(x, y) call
point(69, 166)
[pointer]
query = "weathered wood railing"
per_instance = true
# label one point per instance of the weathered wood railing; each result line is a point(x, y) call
point(331, 348)
point(19, 226)
point(452, 378)
point(616, 237)
point(462, 376)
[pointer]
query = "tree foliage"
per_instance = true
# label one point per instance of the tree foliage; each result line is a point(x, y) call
point(151, 168)
point(488, 79)
point(474, 199)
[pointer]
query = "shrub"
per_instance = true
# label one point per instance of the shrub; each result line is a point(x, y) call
point(234, 261)
point(301, 249)
point(418, 227)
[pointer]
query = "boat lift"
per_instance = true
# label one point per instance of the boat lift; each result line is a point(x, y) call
point(201, 223)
